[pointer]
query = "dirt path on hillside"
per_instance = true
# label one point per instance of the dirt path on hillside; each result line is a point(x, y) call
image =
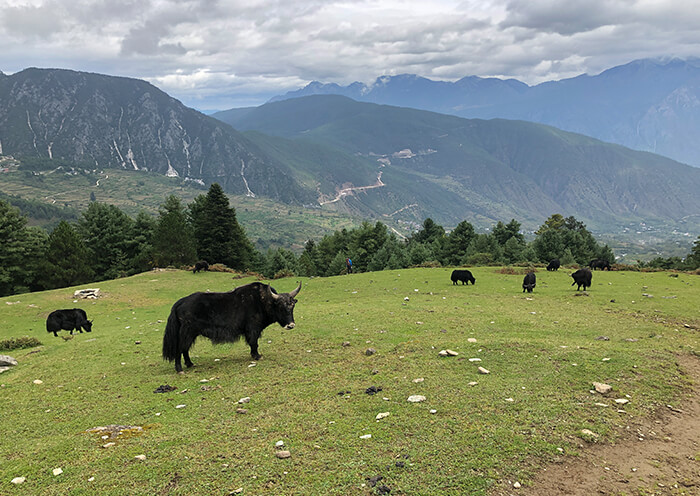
point(653, 456)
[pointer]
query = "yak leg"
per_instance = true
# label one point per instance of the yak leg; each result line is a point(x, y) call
point(253, 343)
point(178, 364)
point(186, 356)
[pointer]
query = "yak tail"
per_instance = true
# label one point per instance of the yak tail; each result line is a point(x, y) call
point(171, 338)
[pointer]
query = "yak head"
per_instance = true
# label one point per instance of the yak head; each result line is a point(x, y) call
point(284, 306)
point(87, 325)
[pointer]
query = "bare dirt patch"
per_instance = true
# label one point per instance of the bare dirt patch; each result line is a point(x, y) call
point(653, 456)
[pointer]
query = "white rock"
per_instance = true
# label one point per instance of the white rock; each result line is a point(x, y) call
point(603, 405)
point(18, 480)
point(244, 400)
point(366, 436)
point(57, 471)
point(419, 379)
point(38, 381)
point(7, 361)
point(108, 445)
point(588, 432)
point(471, 340)
point(510, 400)
point(91, 479)
point(279, 444)
point(602, 388)
point(180, 406)
point(516, 485)
point(383, 415)
point(622, 401)
point(448, 353)
point(433, 411)
point(472, 383)
point(475, 359)
point(283, 454)
point(140, 457)
point(416, 398)
point(482, 370)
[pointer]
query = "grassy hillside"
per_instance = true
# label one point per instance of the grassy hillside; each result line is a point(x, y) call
point(268, 223)
point(542, 351)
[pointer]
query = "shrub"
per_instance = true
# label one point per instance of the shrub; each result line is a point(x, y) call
point(283, 273)
point(19, 343)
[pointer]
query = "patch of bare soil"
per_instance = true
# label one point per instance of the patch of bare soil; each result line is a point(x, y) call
point(653, 456)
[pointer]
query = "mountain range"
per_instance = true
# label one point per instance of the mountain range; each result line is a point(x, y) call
point(649, 105)
point(332, 152)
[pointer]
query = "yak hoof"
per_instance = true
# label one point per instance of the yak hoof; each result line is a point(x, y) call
point(181, 372)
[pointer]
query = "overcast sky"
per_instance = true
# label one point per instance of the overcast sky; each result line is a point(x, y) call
point(219, 54)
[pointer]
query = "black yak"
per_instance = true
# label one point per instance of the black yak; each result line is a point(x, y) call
point(201, 265)
point(462, 275)
point(225, 317)
point(74, 319)
point(582, 277)
point(529, 282)
point(554, 264)
point(599, 264)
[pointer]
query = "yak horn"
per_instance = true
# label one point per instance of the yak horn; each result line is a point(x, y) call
point(273, 294)
point(296, 291)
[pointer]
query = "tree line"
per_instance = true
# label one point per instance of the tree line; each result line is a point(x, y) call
point(105, 243)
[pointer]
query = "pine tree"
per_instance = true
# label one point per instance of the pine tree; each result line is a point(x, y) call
point(457, 242)
point(67, 261)
point(219, 237)
point(173, 239)
point(22, 249)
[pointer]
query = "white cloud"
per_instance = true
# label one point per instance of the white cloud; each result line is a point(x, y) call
point(219, 53)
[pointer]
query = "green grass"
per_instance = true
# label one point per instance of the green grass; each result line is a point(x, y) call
point(540, 348)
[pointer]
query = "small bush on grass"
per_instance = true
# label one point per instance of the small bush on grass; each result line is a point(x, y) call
point(19, 343)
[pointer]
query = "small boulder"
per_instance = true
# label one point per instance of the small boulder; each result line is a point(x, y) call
point(602, 388)
point(7, 361)
point(416, 398)
point(370, 351)
point(283, 454)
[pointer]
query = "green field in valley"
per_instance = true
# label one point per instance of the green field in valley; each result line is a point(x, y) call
point(474, 431)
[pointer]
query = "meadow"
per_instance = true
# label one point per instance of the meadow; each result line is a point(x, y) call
point(473, 432)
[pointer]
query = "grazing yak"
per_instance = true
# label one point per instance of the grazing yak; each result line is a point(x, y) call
point(529, 282)
point(74, 319)
point(554, 264)
point(225, 317)
point(201, 265)
point(462, 275)
point(599, 264)
point(582, 277)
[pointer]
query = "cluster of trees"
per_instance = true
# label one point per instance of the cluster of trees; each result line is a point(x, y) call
point(105, 243)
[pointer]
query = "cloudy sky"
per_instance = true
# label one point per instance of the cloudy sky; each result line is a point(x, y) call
point(220, 54)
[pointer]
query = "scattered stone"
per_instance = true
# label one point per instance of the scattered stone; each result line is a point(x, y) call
point(601, 405)
point(57, 471)
point(602, 388)
point(373, 390)
point(383, 415)
point(236, 491)
point(202, 381)
point(381, 490)
point(448, 353)
point(510, 400)
point(419, 379)
point(405, 299)
point(373, 480)
point(375, 371)
point(241, 411)
point(165, 388)
point(516, 485)
point(589, 434)
point(7, 361)
point(471, 340)
point(416, 398)
point(38, 381)
point(89, 293)
point(366, 436)
point(433, 411)
point(370, 351)
point(475, 359)
point(244, 400)
point(91, 479)
point(3, 369)
point(137, 342)
point(279, 444)
point(602, 338)
point(108, 445)
point(180, 406)
point(482, 370)
point(622, 401)
point(631, 340)
point(283, 454)
point(472, 383)
point(140, 457)
point(345, 344)
point(18, 480)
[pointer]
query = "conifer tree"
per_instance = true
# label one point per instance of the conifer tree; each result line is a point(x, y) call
point(219, 237)
point(67, 261)
point(22, 249)
point(173, 239)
